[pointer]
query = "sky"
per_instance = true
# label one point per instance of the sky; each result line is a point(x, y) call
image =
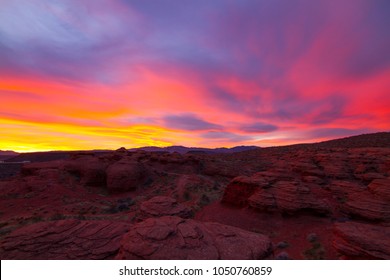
point(104, 74)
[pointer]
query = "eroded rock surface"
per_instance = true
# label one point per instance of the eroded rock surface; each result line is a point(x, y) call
point(66, 239)
point(176, 238)
point(163, 206)
point(334, 182)
point(362, 241)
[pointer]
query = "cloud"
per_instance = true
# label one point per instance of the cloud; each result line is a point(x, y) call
point(225, 136)
point(213, 71)
point(188, 122)
point(336, 132)
point(258, 128)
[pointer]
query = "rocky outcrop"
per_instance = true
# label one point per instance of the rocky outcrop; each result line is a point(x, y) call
point(352, 182)
point(289, 197)
point(340, 190)
point(65, 239)
point(241, 188)
point(88, 169)
point(368, 206)
point(176, 238)
point(362, 241)
point(126, 175)
point(264, 192)
point(38, 168)
point(381, 188)
point(163, 206)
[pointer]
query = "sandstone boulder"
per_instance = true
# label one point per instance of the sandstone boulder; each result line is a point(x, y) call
point(126, 175)
point(89, 169)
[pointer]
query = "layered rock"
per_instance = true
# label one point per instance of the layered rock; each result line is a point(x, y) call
point(381, 188)
point(368, 206)
point(342, 182)
point(289, 197)
point(362, 241)
point(177, 238)
point(342, 189)
point(163, 206)
point(241, 188)
point(282, 193)
point(65, 239)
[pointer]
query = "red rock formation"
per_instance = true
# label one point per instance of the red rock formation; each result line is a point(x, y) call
point(163, 206)
point(177, 238)
point(125, 175)
point(288, 197)
point(345, 183)
point(381, 188)
point(36, 168)
point(368, 206)
point(62, 240)
point(239, 190)
point(362, 241)
point(89, 169)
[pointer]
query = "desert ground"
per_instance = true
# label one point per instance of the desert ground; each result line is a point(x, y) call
point(328, 200)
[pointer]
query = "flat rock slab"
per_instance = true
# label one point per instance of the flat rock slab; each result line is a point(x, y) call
point(64, 240)
point(172, 237)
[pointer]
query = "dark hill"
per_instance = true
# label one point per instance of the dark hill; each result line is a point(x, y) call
point(4, 155)
point(378, 140)
point(196, 150)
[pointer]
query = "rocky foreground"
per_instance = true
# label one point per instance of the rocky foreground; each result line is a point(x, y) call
point(321, 201)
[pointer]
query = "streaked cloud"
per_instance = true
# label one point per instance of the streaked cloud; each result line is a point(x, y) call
point(109, 73)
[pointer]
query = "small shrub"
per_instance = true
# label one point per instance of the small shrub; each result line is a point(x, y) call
point(282, 245)
point(316, 252)
point(312, 237)
point(282, 256)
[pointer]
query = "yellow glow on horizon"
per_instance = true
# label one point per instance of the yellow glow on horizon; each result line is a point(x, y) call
point(49, 136)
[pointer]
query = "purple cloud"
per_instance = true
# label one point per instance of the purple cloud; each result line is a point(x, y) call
point(258, 128)
point(225, 136)
point(188, 122)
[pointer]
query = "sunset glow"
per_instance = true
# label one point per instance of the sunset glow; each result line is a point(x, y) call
point(78, 75)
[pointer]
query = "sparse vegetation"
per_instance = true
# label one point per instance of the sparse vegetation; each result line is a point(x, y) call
point(121, 205)
point(282, 245)
point(317, 251)
point(282, 256)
